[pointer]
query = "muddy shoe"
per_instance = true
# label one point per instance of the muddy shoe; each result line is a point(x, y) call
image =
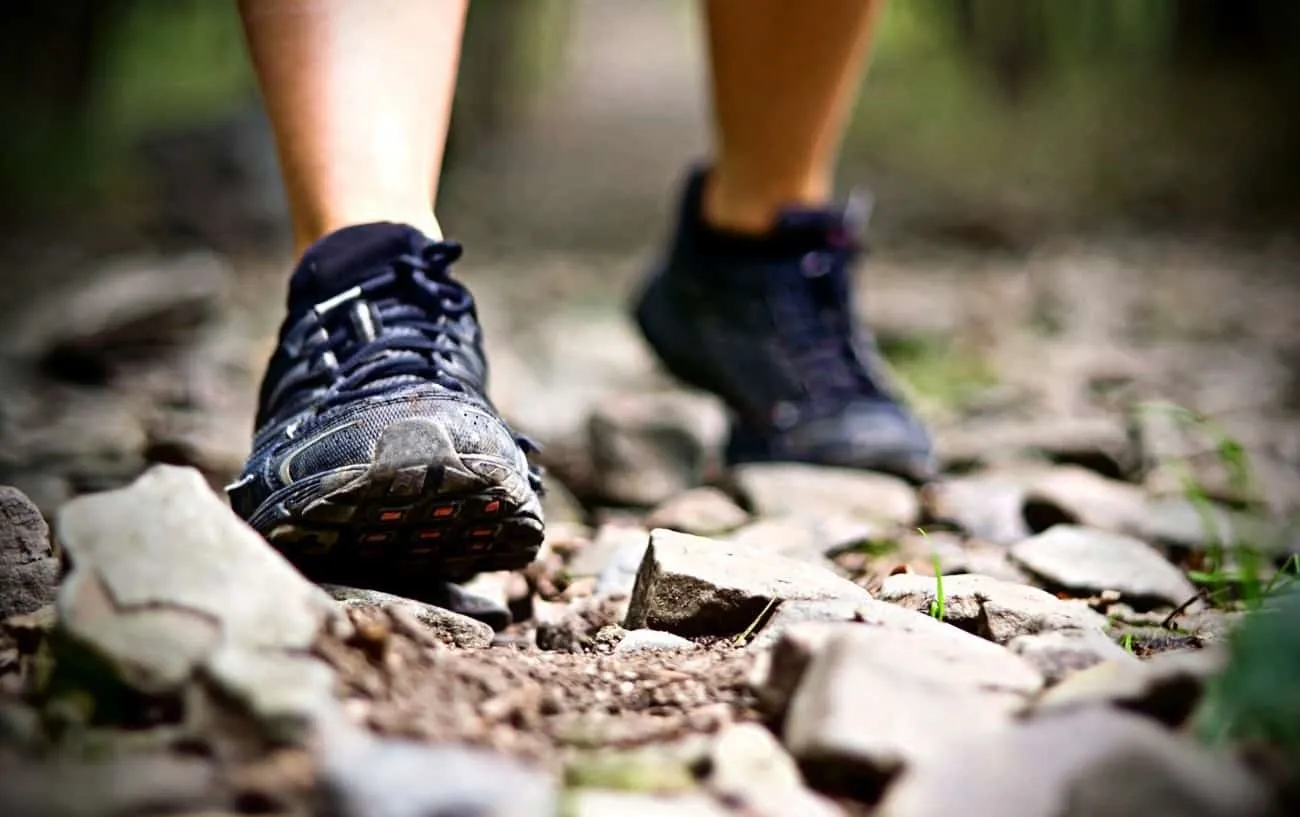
point(766, 324)
point(378, 458)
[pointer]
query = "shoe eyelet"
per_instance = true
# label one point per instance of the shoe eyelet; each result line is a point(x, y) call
point(814, 265)
point(785, 415)
point(330, 304)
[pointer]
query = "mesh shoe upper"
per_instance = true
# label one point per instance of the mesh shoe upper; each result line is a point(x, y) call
point(767, 324)
point(377, 332)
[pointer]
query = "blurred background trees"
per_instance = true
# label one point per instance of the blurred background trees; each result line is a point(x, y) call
point(985, 118)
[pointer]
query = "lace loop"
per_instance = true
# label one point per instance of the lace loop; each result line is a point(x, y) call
point(813, 316)
point(410, 322)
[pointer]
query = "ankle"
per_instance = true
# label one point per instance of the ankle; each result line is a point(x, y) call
point(753, 209)
point(307, 232)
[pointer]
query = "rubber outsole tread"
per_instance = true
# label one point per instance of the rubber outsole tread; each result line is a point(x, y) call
point(394, 529)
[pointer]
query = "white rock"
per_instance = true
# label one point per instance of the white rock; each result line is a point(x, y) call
point(1058, 654)
point(748, 767)
point(874, 700)
point(1093, 762)
point(652, 641)
point(781, 489)
point(1092, 561)
point(605, 547)
point(692, 586)
point(990, 608)
point(703, 511)
point(362, 776)
point(1008, 503)
point(444, 625)
point(167, 583)
point(1166, 686)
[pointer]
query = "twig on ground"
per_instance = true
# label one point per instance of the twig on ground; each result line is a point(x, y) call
point(756, 623)
point(1182, 608)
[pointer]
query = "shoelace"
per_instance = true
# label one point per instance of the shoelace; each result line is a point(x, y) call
point(814, 320)
point(403, 323)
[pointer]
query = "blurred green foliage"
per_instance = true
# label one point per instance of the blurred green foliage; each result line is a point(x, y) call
point(1013, 110)
point(1021, 112)
point(1257, 697)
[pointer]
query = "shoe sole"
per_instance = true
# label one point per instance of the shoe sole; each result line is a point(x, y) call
point(417, 513)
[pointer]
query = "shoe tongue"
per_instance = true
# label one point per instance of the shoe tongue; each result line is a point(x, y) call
point(798, 230)
point(347, 257)
point(825, 227)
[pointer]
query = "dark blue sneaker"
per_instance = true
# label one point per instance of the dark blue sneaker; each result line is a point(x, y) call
point(378, 459)
point(766, 324)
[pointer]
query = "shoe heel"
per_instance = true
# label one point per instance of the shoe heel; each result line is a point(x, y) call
point(653, 316)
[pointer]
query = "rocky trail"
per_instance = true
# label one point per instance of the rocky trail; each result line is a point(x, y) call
point(1033, 633)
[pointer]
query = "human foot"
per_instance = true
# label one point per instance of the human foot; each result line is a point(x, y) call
point(766, 323)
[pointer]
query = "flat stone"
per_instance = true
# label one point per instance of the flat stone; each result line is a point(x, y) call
point(365, 777)
point(784, 536)
point(1091, 561)
point(646, 448)
point(989, 608)
point(287, 694)
point(1100, 443)
point(1075, 495)
point(979, 558)
point(190, 551)
point(1011, 502)
point(188, 590)
point(1166, 686)
point(126, 784)
point(1058, 654)
point(613, 543)
point(799, 630)
point(748, 767)
point(703, 511)
point(1092, 762)
point(444, 625)
point(777, 672)
point(1177, 520)
point(154, 650)
point(746, 758)
point(792, 613)
point(986, 505)
point(29, 573)
point(781, 489)
point(874, 700)
point(694, 586)
point(652, 641)
point(810, 538)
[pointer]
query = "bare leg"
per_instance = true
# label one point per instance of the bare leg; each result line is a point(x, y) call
point(359, 95)
point(785, 76)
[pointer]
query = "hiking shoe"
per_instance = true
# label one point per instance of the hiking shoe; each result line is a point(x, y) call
point(378, 458)
point(766, 324)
